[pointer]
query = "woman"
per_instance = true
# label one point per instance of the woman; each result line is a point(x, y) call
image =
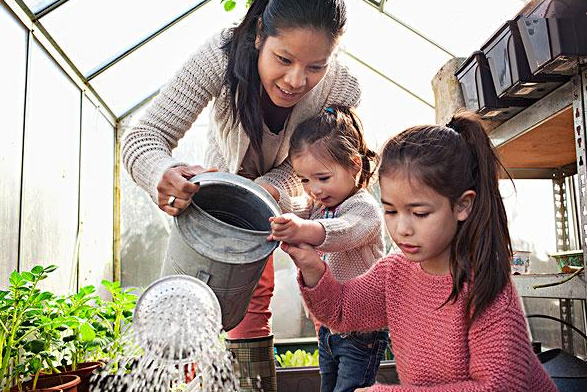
point(274, 70)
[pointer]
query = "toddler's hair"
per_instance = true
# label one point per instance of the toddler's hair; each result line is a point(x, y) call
point(336, 133)
point(450, 160)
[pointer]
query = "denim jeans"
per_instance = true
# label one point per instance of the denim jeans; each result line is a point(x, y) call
point(349, 361)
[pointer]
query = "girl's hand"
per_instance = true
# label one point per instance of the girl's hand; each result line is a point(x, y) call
point(175, 191)
point(294, 230)
point(307, 260)
point(361, 389)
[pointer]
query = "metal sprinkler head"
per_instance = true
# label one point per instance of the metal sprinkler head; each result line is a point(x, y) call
point(177, 318)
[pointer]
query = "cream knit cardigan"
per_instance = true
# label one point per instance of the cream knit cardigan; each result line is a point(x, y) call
point(146, 149)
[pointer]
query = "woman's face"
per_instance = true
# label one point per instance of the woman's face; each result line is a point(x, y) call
point(292, 63)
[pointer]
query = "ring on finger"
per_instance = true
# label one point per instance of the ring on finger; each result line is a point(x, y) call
point(171, 200)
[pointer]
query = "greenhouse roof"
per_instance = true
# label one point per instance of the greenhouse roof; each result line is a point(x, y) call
point(125, 50)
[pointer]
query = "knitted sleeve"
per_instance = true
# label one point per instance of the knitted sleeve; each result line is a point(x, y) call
point(303, 206)
point(146, 149)
point(355, 305)
point(286, 182)
point(345, 90)
point(358, 223)
point(501, 358)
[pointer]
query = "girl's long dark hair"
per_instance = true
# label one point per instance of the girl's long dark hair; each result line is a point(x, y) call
point(336, 133)
point(451, 160)
point(265, 18)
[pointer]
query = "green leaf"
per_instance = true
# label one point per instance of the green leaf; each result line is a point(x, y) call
point(87, 290)
point(87, 333)
point(229, 5)
point(29, 277)
point(50, 268)
point(37, 345)
point(69, 338)
point(45, 295)
point(15, 278)
point(37, 270)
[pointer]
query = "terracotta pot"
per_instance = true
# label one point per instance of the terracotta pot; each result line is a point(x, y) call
point(84, 371)
point(14, 389)
point(46, 390)
point(56, 382)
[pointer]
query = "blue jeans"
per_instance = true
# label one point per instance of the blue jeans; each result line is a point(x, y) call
point(349, 361)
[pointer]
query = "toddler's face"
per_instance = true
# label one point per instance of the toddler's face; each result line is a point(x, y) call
point(326, 181)
point(419, 220)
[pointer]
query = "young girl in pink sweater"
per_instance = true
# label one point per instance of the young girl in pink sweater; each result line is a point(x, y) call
point(454, 317)
point(344, 222)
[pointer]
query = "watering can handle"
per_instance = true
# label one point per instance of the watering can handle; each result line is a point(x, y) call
point(203, 276)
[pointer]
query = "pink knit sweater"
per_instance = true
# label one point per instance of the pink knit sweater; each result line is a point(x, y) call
point(434, 350)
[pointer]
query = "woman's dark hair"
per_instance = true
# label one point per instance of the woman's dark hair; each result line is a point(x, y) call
point(265, 18)
point(451, 160)
point(336, 133)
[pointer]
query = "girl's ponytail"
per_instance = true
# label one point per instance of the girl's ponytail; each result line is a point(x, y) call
point(369, 158)
point(483, 239)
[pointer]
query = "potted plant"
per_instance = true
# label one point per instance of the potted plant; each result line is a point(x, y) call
point(19, 307)
point(112, 326)
point(78, 335)
point(298, 371)
point(27, 333)
point(56, 382)
point(116, 318)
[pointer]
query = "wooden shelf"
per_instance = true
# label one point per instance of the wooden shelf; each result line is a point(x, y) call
point(540, 139)
point(549, 145)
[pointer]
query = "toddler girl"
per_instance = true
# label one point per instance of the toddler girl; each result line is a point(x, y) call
point(343, 221)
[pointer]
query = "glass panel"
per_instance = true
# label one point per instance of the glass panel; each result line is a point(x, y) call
point(392, 49)
point(50, 172)
point(457, 25)
point(96, 197)
point(78, 26)
point(144, 228)
point(13, 46)
point(143, 72)
point(531, 231)
point(380, 116)
point(38, 5)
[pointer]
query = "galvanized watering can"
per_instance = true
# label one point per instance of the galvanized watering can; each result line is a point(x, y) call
point(221, 239)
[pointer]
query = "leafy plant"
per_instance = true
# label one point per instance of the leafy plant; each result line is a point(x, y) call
point(115, 319)
point(23, 322)
point(298, 358)
point(79, 338)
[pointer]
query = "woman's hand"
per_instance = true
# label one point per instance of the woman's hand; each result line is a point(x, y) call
point(307, 260)
point(294, 230)
point(175, 191)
